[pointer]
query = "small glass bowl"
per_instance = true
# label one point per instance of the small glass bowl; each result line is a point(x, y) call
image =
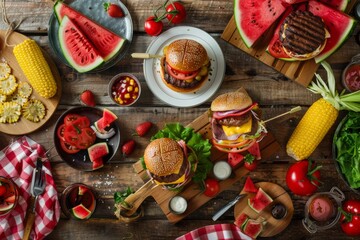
point(124, 89)
point(70, 198)
point(10, 198)
point(335, 196)
point(178, 205)
point(352, 73)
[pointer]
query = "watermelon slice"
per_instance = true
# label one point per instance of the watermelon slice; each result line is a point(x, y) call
point(260, 201)
point(98, 151)
point(104, 122)
point(337, 23)
point(253, 228)
point(97, 163)
point(82, 190)
point(106, 42)
point(254, 17)
point(81, 212)
point(249, 186)
point(5, 206)
point(241, 220)
point(77, 49)
point(337, 4)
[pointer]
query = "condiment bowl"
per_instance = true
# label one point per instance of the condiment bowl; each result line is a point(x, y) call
point(9, 196)
point(124, 89)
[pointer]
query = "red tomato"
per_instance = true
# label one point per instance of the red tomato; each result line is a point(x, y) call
point(152, 26)
point(68, 119)
point(176, 12)
point(250, 162)
point(2, 190)
point(78, 120)
point(234, 159)
point(71, 134)
point(68, 148)
point(86, 138)
point(350, 217)
point(212, 187)
point(60, 132)
point(303, 177)
point(180, 75)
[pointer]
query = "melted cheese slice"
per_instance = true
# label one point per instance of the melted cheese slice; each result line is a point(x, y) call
point(178, 181)
point(244, 128)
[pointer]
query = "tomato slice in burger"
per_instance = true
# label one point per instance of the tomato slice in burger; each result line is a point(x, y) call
point(181, 75)
point(68, 148)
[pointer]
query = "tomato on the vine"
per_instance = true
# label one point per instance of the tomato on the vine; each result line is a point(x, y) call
point(350, 217)
point(176, 12)
point(212, 187)
point(153, 26)
point(303, 178)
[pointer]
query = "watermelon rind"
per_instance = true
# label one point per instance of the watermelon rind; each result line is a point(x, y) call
point(338, 4)
point(247, 9)
point(81, 212)
point(241, 220)
point(97, 163)
point(98, 150)
point(6, 206)
point(105, 41)
point(82, 190)
point(260, 201)
point(75, 45)
point(339, 25)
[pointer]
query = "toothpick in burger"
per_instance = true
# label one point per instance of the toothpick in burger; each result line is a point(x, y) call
point(235, 122)
point(185, 65)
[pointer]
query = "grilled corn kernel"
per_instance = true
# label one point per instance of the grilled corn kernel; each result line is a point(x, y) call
point(311, 129)
point(32, 62)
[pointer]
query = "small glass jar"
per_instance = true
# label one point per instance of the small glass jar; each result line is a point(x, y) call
point(124, 89)
point(351, 75)
point(177, 204)
point(78, 201)
point(329, 202)
point(9, 195)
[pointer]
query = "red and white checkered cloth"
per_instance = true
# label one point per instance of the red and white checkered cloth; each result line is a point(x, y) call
point(18, 161)
point(216, 232)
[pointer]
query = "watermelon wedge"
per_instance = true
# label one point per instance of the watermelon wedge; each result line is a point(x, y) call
point(254, 17)
point(106, 42)
point(77, 49)
point(337, 23)
point(337, 4)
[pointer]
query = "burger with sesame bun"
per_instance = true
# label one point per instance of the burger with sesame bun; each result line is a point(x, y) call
point(185, 65)
point(235, 122)
point(303, 35)
point(167, 162)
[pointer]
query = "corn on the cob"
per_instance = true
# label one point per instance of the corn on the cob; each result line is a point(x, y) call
point(32, 62)
point(321, 115)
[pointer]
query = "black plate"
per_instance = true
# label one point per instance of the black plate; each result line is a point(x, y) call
point(334, 152)
point(80, 160)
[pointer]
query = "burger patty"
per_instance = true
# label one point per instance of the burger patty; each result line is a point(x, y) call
point(172, 177)
point(235, 121)
point(302, 32)
point(177, 82)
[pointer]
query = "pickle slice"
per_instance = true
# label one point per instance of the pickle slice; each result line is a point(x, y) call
point(34, 110)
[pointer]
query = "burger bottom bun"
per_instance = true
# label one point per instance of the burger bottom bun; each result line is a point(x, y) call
point(304, 57)
point(179, 89)
point(232, 101)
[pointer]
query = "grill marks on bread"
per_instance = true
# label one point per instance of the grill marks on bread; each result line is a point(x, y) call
point(302, 32)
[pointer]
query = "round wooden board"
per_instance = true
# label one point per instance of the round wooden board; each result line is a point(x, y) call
point(273, 226)
point(24, 126)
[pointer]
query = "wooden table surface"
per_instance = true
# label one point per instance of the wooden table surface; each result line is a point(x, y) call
point(272, 90)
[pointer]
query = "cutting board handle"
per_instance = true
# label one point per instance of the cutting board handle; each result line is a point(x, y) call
point(135, 200)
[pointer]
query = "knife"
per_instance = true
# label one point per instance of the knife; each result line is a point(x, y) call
point(30, 214)
point(227, 207)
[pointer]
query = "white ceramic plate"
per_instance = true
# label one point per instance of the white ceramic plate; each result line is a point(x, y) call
point(152, 67)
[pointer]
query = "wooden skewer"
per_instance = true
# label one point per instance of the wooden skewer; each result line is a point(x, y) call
point(295, 109)
point(145, 55)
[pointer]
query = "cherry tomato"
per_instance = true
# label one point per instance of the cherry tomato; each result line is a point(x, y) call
point(303, 177)
point(212, 187)
point(66, 147)
point(350, 217)
point(152, 27)
point(176, 12)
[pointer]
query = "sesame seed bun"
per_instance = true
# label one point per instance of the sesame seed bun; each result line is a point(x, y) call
point(163, 157)
point(231, 101)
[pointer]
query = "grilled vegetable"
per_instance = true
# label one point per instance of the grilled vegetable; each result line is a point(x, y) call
point(36, 69)
point(34, 110)
point(321, 115)
point(24, 89)
point(8, 85)
point(9, 112)
point(5, 71)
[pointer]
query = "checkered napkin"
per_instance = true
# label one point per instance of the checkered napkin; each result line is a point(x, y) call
point(18, 161)
point(215, 232)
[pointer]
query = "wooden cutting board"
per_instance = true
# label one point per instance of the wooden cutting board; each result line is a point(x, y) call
point(192, 192)
point(24, 126)
point(279, 195)
point(301, 72)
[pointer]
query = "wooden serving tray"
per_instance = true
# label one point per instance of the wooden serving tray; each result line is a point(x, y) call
point(301, 72)
point(279, 195)
point(192, 192)
point(24, 126)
